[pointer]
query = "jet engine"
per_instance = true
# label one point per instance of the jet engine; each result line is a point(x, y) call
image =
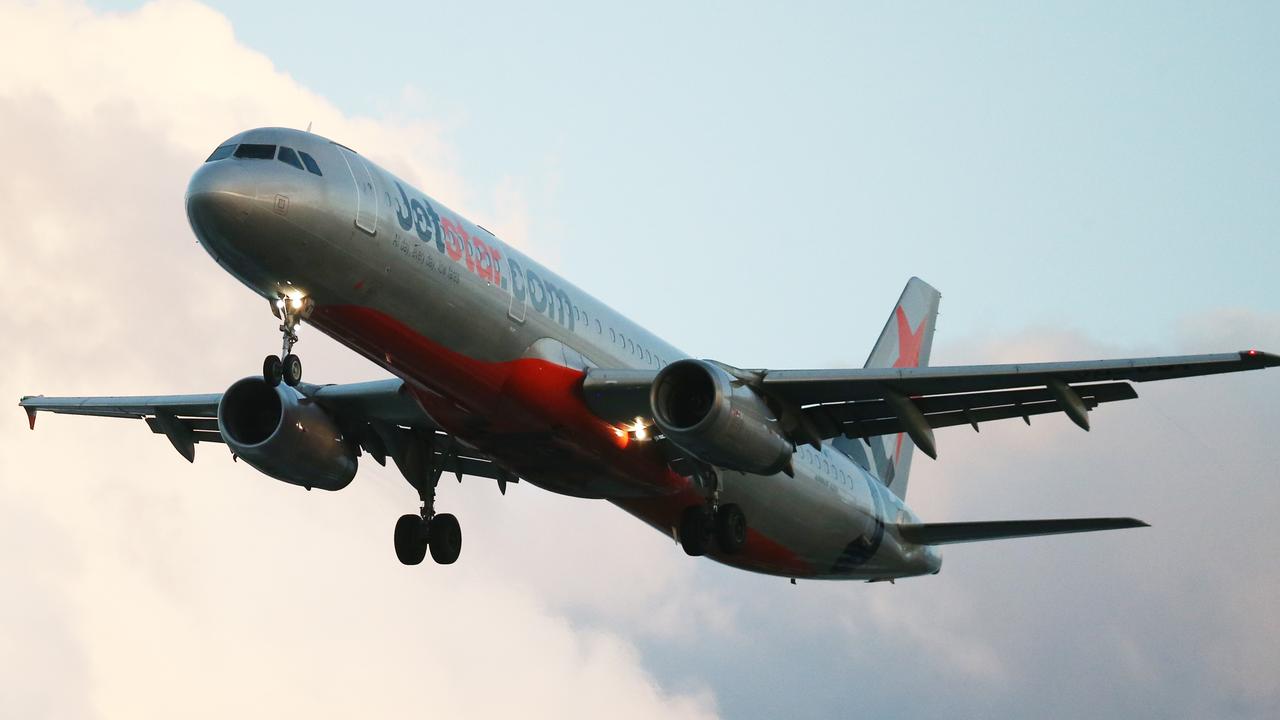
point(285, 435)
point(711, 414)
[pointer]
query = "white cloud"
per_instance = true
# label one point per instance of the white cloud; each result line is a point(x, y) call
point(139, 586)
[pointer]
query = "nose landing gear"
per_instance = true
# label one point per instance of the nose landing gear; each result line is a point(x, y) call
point(291, 311)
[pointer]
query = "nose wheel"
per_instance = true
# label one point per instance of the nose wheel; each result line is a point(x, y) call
point(291, 311)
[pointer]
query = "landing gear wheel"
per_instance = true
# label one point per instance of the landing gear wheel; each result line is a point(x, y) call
point(411, 539)
point(731, 528)
point(272, 370)
point(292, 372)
point(446, 538)
point(695, 530)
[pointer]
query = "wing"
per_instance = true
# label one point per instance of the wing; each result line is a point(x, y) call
point(867, 402)
point(381, 416)
point(945, 533)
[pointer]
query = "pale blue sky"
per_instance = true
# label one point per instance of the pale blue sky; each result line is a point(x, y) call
point(1105, 167)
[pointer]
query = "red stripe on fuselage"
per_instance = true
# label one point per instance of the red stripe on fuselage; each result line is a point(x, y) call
point(530, 416)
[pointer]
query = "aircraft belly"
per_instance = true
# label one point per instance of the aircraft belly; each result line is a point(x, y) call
point(799, 513)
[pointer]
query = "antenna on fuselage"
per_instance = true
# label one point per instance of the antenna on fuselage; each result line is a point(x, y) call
point(308, 126)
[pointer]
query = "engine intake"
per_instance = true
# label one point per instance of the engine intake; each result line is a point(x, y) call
point(698, 407)
point(285, 435)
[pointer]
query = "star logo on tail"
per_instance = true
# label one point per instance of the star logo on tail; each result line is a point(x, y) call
point(909, 343)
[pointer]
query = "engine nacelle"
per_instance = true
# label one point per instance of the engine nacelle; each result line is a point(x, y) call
point(285, 435)
point(697, 406)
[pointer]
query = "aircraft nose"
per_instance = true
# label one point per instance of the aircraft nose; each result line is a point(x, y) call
point(220, 200)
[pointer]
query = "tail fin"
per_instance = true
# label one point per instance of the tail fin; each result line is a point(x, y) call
point(905, 342)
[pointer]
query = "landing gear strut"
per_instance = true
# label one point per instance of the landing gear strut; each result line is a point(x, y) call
point(291, 311)
point(415, 534)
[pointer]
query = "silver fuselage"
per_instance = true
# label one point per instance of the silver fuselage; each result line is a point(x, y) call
point(494, 346)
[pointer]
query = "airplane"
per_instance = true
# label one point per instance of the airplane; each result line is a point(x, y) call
point(504, 370)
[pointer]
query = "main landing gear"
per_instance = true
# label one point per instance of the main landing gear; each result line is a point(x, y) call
point(291, 311)
point(415, 534)
point(724, 525)
point(702, 525)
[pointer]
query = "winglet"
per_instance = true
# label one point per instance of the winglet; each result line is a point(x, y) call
point(31, 411)
point(1260, 358)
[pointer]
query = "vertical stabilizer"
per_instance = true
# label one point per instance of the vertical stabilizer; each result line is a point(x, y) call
point(905, 342)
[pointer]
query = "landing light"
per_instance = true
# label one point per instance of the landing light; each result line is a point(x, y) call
point(639, 430)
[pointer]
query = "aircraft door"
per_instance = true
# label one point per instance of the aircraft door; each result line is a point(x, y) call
point(515, 310)
point(366, 196)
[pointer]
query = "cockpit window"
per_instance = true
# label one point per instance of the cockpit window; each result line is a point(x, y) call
point(310, 162)
point(256, 152)
point(287, 155)
point(222, 151)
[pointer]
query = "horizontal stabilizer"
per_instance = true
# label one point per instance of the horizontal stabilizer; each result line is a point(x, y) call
point(944, 533)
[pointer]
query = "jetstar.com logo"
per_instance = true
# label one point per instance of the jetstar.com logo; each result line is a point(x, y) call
point(483, 258)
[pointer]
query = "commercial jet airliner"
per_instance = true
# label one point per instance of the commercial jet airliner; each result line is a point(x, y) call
point(504, 370)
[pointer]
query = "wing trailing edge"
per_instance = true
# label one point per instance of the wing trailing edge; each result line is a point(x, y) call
point(959, 532)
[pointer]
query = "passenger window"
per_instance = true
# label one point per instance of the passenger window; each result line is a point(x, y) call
point(223, 151)
point(598, 330)
point(613, 337)
point(251, 151)
point(287, 155)
point(310, 162)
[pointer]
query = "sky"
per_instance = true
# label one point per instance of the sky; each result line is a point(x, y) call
point(754, 182)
